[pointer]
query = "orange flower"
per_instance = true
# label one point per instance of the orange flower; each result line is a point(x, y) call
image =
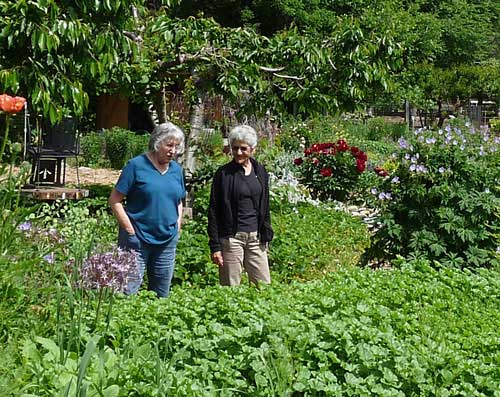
point(19, 102)
point(11, 104)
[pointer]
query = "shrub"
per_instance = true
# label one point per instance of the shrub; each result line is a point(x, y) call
point(331, 170)
point(442, 201)
point(138, 144)
point(375, 129)
point(92, 146)
point(122, 145)
point(297, 134)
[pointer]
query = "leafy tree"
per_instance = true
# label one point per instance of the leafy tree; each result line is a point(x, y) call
point(55, 52)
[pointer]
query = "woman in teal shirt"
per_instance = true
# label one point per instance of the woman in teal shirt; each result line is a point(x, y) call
point(153, 185)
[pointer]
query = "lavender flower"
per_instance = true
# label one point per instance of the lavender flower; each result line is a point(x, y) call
point(50, 258)
point(421, 168)
point(402, 143)
point(395, 179)
point(109, 269)
point(442, 170)
point(384, 196)
point(25, 226)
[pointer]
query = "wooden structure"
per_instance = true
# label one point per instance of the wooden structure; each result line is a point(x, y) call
point(54, 193)
point(112, 111)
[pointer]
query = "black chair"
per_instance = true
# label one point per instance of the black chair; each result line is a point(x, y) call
point(52, 146)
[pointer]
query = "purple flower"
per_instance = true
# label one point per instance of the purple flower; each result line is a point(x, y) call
point(25, 226)
point(402, 143)
point(384, 196)
point(395, 179)
point(50, 258)
point(109, 269)
point(421, 168)
point(442, 170)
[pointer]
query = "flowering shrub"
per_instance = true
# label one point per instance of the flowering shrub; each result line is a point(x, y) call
point(331, 170)
point(441, 202)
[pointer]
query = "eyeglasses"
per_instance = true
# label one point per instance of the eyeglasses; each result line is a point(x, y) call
point(242, 148)
point(171, 145)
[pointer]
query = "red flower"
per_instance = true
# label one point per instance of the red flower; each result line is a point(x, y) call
point(360, 165)
point(326, 171)
point(354, 150)
point(361, 155)
point(298, 161)
point(342, 145)
point(315, 161)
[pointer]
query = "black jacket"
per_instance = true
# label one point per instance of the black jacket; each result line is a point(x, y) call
point(223, 210)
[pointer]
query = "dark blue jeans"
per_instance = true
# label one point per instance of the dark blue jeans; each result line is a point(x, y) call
point(159, 260)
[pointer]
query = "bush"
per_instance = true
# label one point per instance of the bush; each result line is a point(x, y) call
point(441, 203)
point(297, 134)
point(122, 145)
point(331, 170)
point(376, 129)
point(92, 146)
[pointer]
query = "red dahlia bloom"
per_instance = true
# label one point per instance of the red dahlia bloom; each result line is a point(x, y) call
point(342, 145)
point(360, 165)
point(326, 171)
point(298, 161)
point(361, 155)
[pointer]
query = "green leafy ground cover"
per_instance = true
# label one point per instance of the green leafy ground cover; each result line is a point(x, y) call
point(409, 332)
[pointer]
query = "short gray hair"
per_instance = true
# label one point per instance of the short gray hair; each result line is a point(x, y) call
point(166, 131)
point(243, 133)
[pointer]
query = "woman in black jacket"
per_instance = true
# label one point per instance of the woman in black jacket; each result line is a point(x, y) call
point(239, 221)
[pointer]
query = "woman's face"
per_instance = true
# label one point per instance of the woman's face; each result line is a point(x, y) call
point(167, 151)
point(241, 151)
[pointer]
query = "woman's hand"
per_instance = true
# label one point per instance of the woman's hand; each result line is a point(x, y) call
point(133, 242)
point(217, 258)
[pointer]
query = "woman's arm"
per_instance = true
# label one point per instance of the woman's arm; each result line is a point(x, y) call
point(115, 202)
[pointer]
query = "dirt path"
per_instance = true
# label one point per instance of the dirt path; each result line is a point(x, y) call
point(91, 176)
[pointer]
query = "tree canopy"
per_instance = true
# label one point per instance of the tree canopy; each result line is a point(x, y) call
point(318, 55)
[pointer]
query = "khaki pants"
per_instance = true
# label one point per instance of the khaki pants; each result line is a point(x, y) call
point(244, 251)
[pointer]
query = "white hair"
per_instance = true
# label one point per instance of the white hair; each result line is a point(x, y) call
point(166, 131)
point(243, 133)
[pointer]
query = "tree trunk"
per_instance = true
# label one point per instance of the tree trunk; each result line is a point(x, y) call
point(196, 122)
point(160, 105)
